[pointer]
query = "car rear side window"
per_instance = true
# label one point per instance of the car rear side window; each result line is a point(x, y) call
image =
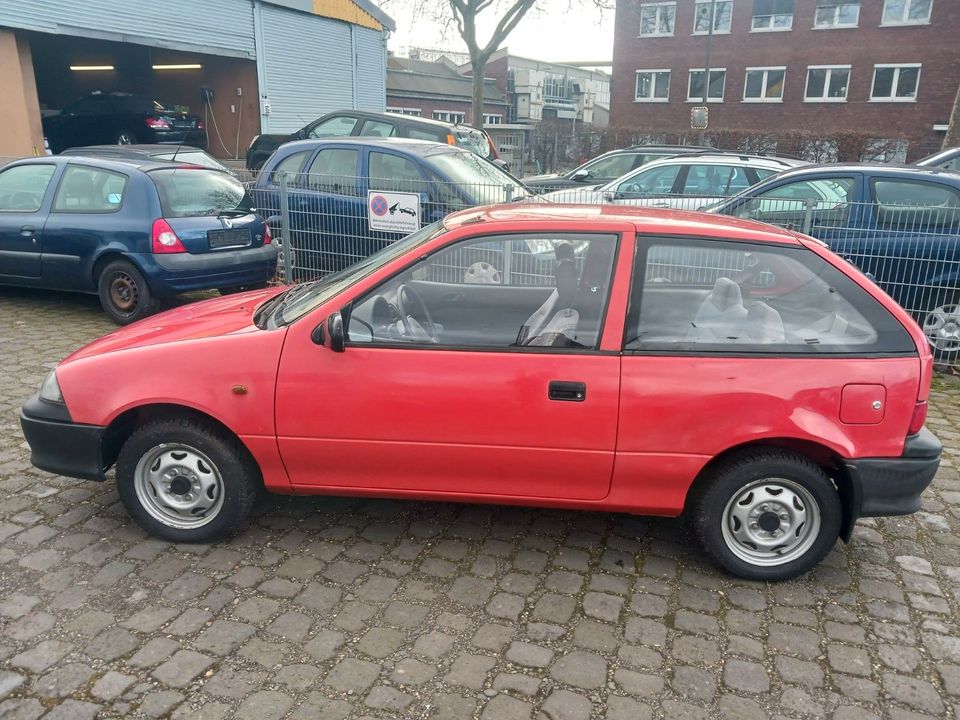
point(719, 297)
point(191, 192)
point(23, 187)
point(715, 180)
point(905, 204)
point(89, 190)
point(292, 165)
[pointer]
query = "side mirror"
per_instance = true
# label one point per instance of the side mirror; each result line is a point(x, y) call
point(501, 164)
point(580, 176)
point(335, 332)
point(610, 196)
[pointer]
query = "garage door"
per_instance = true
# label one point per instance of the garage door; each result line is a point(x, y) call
point(371, 73)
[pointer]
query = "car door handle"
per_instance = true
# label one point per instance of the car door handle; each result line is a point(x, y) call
point(27, 230)
point(567, 391)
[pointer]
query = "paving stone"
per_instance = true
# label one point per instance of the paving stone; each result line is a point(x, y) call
point(434, 644)
point(413, 672)
point(621, 708)
point(580, 669)
point(233, 684)
point(470, 671)
point(41, 656)
point(518, 683)
point(10, 681)
point(112, 643)
point(915, 692)
point(352, 675)
point(383, 697)
point(529, 654)
point(111, 685)
point(503, 707)
point(161, 703)
point(602, 606)
point(745, 676)
point(64, 680)
point(154, 652)
point(224, 636)
point(265, 705)
point(694, 683)
point(73, 710)
point(566, 705)
point(554, 608)
point(181, 669)
point(325, 644)
point(595, 635)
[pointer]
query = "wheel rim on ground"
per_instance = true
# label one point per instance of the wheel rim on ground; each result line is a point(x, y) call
point(124, 293)
point(124, 139)
point(771, 522)
point(178, 486)
point(942, 328)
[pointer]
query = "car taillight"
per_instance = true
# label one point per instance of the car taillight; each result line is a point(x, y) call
point(157, 123)
point(919, 417)
point(267, 237)
point(165, 240)
point(200, 125)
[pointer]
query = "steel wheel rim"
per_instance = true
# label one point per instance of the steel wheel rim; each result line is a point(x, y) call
point(771, 522)
point(124, 139)
point(178, 486)
point(942, 328)
point(124, 293)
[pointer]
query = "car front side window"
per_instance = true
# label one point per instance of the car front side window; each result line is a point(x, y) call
point(543, 291)
point(653, 181)
point(334, 127)
point(23, 187)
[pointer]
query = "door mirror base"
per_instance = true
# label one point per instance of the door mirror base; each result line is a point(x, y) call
point(335, 332)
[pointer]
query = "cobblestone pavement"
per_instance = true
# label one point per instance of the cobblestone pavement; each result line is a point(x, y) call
point(330, 609)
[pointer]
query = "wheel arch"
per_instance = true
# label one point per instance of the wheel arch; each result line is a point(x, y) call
point(107, 257)
point(826, 458)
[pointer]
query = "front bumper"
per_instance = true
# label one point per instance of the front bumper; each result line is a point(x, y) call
point(184, 272)
point(59, 445)
point(892, 486)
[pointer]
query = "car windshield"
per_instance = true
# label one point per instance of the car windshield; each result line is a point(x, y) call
point(482, 180)
point(302, 299)
point(474, 141)
point(189, 192)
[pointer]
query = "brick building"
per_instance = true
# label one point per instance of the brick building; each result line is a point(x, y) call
point(889, 68)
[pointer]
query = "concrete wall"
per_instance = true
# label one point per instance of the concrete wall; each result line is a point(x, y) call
point(20, 130)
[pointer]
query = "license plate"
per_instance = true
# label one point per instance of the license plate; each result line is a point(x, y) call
point(228, 238)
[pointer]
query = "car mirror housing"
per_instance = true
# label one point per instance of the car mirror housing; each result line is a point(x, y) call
point(335, 332)
point(580, 176)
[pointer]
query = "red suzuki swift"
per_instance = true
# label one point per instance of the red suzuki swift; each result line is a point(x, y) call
point(647, 362)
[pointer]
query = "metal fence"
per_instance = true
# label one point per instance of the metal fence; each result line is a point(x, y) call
point(910, 246)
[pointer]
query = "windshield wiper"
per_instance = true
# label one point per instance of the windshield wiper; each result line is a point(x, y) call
point(286, 298)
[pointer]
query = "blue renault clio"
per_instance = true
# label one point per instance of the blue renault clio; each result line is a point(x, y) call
point(132, 232)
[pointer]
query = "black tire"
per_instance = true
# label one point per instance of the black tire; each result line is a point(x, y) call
point(125, 137)
point(234, 289)
point(124, 293)
point(770, 468)
point(239, 477)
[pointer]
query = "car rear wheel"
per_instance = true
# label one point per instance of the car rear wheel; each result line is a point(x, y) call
point(186, 480)
point(941, 325)
point(125, 137)
point(124, 293)
point(767, 515)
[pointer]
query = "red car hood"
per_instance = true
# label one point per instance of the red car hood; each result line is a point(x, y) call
point(205, 319)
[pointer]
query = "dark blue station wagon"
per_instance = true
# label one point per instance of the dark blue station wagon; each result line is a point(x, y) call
point(130, 231)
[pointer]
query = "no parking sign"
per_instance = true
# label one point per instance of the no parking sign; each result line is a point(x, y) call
point(393, 211)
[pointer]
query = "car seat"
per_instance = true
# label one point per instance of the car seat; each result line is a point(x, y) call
point(721, 315)
point(557, 314)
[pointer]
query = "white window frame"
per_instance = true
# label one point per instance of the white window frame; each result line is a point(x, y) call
point(448, 116)
point(659, 6)
point(411, 112)
point(896, 82)
point(826, 84)
point(699, 98)
point(766, 77)
point(836, 25)
point(770, 27)
point(492, 118)
point(904, 20)
point(653, 86)
point(715, 31)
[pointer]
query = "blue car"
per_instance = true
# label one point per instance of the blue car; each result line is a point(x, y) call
point(899, 224)
point(129, 231)
point(328, 182)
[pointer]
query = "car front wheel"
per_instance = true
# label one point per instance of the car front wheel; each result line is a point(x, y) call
point(186, 480)
point(767, 515)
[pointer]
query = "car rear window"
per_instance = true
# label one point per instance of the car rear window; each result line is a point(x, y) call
point(189, 192)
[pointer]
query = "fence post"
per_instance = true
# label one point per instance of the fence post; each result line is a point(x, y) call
point(808, 216)
point(508, 190)
point(285, 231)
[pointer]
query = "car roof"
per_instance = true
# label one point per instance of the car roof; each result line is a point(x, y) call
point(721, 158)
point(118, 164)
point(648, 221)
point(878, 169)
point(671, 148)
point(417, 147)
point(144, 149)
point(397, 117)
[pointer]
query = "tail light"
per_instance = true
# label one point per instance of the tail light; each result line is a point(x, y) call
point(200, 125)
point(919, 417)
point(165, 240)
point(157, 123)
point(267, 237)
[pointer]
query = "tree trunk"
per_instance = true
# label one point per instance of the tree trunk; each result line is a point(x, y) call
point(479, 65)
point(952, 138)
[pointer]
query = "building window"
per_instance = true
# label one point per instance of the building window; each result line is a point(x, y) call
point(771, 15)
point(657, 19)
point(722, 15)
point(827, 83)
point(653, 85)
point(718, 79)
point(764, 84)
point(449, 116)
point(895, 83)
point(492, 119)
point(906, 12)
point(414, 112)
point(832, 14)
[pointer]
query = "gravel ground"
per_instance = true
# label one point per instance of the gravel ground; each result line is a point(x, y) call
point(331, 608)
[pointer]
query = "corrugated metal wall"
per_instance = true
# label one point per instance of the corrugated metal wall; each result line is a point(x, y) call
point(371, 69)
point(226, 25)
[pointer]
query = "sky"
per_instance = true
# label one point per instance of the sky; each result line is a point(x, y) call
point(555, 30)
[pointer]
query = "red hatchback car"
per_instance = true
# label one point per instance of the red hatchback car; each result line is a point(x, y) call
point(636, 361)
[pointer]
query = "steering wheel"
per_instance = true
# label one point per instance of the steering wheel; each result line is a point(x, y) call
point(417, 323)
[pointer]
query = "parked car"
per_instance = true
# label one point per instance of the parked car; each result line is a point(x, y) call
point(122, 119)
point(674, 363)
point(129, 231)
point(900, 225)
point(182, 154)
point(948, 159)
point(357, 123)
point(684, 182)
point(329, 181)
point(609, 166)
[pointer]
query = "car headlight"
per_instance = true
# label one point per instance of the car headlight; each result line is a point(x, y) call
point(50, 390)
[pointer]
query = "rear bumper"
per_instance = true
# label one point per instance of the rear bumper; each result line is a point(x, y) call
point(59, 445)
point(892, 486)
point(184, 272)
